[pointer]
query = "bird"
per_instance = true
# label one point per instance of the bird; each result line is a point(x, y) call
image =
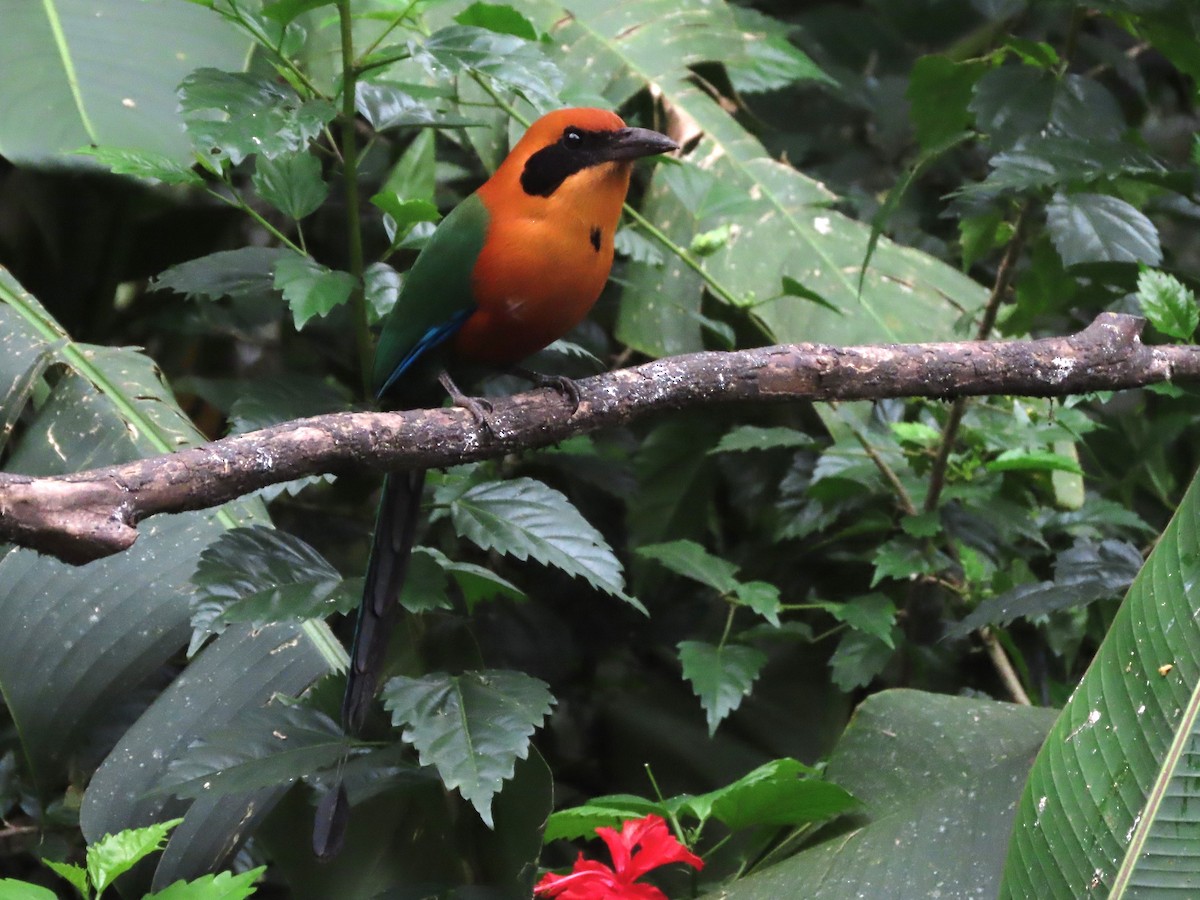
point(511, 269)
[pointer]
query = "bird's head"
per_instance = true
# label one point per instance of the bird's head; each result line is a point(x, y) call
point(579, 150)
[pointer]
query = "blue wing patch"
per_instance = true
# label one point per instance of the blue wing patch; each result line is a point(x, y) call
point(434, 337)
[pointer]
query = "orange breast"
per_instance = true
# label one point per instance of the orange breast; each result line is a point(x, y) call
point(543, 266)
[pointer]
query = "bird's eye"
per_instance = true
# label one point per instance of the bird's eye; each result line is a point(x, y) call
point(572, 138)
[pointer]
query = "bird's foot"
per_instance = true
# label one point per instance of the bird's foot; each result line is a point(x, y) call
point(479, 408)
point(561, 383)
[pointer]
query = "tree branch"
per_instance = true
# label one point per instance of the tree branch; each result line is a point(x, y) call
point(91, 514)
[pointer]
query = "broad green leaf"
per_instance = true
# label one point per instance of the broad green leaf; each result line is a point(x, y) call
point(720, 676)
point(424, 585)
point(261, 402)
point(143, 164)
point(761, 597)
point(263, 748)
point(523, 518)
point(11, 889)
point(310, 288)
point(767, 60)
point(79, 72)
point(291, 182)
point(936, 775)
point(245, 273)
point(689, 559)
point(1111, 799)
point(238, 672)
point(781, 792)
point(902, 557)
point(1013, 102)
point(1099, 228)
point(76, 875)
point(115, 854)
point(754, 437)
point(472, 727)
point(386, 105)
point(381, 288)
point(859, 657)
point(218, 886)
point(498, 18)
point(476, 583)
point(232, 115)
point(504, 59)
point(582, 821)
point(1033, 461)
point(401, 215)
point(874, 614)
point(259, 575)
point(283, 11)
point(1170, 307)
point(633, 244)
point(939, 91)
point(1051, 160)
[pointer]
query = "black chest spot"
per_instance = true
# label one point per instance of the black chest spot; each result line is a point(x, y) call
point(595, 238)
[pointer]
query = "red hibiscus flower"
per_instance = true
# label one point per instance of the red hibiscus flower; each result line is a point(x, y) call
point(642, 845)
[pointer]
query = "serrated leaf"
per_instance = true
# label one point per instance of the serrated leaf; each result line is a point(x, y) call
point(498, 18)
point(143, 164)
point(476, 582)
point(720, 676)
point(582, 821)
point(754, 437)
point(504, 59)
point(283, 11)
point(859, 657)
point(425, 584)
point(873, 614)
point(386, 105)
point(381, 288)
point(76, 875)
point(266, 747)
point(630, 243)
point(291, 182)
point(402, 215)
point(259, 575)
point(1099, 228)
point(902, 558)
point(939, 91)
point(213, 886)
point(1033, 461)
point(525, 518)
point(261, 402)
point(310, 288)
point(115, 854)
point(234, 115)
point(1089, 571)
point(689, 559)
point(761, 597)
point(1170, 307)
point(472, 727)
point(245, 273)
point(766, 60)
point(782, 792)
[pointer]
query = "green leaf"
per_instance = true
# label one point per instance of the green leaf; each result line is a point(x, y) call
point(935, 774)
point(1052, 160)
point(1089, 571)
point(1100, 228)
point(901, 558)
point(425, 584)
point(476, 582)
point(766, 60)
point(1012, 103)
point(472, 727)
point(11, 889)
point(115, 854)
point(1034, 53)
point(917, 433)
point(859, 657)
point(1170, 307)
point(291, 182)
point(259, 575)
point(232, 115)
point(689, 559)
point(265, 747)
point(381, 288)
point(61, 91)
point(632, 244)
point(246, 273)
point(582, 821)
point(497, 18)
point(1111, 798)
point(761, 597)
point(402, 215)
point(283, 11)
point(214, 886)
point(76, 875)
point(873, 614)
point(753, 437)
point(939, 92)
point(310, 288)
point(262, 402)
point(523, 518)
point(1033, 461)
point(720, 676)
point(504, 59)
point(143, 164)
point(783, 792)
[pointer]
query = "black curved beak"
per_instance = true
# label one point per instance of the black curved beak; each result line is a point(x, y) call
point(634, 143)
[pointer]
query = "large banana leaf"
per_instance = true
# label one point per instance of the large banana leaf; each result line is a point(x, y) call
point(1112, 806)
point(77, 72)
point(937, 777)
point(76, 641)
point(778, 221)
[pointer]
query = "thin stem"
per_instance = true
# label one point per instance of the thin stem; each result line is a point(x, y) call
point(392, 26)
point(728, 625)
point(1004, 667)
point(889, 475)
point(358, 303)
point(251, 28)
point(237, 202)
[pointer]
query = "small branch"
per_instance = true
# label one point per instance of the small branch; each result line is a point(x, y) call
point(91, 514)
point(1004, 667)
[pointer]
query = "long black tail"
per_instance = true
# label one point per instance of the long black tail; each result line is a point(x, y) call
point(395, 529)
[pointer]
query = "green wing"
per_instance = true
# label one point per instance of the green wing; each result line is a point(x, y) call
point(436, 297)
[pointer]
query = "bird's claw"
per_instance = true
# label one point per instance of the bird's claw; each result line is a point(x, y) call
point(479, 408)
point(565, 386)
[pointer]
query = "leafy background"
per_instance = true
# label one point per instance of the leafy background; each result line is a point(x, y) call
point(682, 617)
